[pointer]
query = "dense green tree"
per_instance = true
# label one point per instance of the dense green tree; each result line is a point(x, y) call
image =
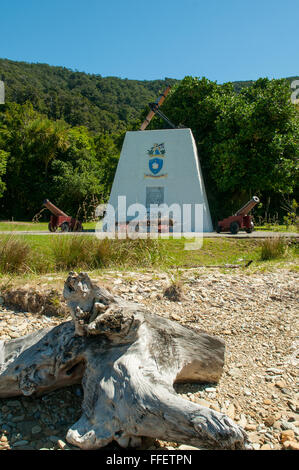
point(47, 159)
point(256, 140)
point(22, 175)
point(46, 139)
point(108, 155)
point(76, 174)
point(248, 142)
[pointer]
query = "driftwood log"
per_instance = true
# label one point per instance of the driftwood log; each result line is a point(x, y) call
point(127, 360)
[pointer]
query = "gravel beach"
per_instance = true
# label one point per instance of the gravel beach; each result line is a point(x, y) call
point(255, 314)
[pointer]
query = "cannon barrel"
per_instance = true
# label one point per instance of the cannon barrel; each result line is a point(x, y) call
point(248, 206)
point(53, 209)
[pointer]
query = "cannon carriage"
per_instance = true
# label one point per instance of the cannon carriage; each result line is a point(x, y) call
point(61, 220)
point(240, 220)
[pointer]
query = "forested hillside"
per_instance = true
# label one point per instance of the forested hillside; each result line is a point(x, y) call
point(80, 99)
point(61, 133)
point(101, 104)
point(238, 86)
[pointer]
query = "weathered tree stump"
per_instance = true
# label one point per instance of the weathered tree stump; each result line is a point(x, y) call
point(127, 360)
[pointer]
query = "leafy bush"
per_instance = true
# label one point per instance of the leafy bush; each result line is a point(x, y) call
point(291, 217)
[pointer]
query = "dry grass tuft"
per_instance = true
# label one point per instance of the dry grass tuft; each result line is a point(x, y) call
point(15, 255)
point(273, 248)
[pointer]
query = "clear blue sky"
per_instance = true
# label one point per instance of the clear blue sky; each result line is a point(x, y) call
point(224, 40)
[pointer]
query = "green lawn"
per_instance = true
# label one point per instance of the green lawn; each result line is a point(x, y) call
point(45, 254)
point(23, 226)
point(276, 228)
point(43, 227)
point(36, 227)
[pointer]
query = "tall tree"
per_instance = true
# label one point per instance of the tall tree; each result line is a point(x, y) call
point(248, 142)
point(46, 139)
point(256, 140)
point(47, 159)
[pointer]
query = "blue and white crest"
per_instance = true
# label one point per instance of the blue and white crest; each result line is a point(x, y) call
point(155, 165)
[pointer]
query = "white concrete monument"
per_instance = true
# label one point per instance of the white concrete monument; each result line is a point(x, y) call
point(161, 167)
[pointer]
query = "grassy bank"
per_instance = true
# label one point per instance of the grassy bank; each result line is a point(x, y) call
point(8, 226)
point(276, 228)
point(36, 254)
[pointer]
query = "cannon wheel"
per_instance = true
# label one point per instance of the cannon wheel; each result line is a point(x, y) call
point(51, 227)
point(250, 229)
point(65, 227)
point(78, 227)
point(234, 228)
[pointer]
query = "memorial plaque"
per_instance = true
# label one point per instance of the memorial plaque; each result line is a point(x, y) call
point(154, 195)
